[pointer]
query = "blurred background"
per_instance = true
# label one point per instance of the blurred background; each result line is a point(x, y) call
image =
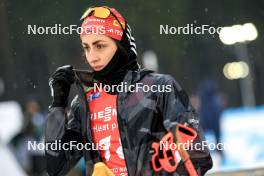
point(222, 73)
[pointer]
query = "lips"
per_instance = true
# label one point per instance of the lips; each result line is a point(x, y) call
point(99, 67)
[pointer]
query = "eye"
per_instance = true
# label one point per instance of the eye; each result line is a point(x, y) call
point(99, 46)
point(85, 48)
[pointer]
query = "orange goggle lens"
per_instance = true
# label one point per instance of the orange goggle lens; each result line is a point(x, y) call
point(99, 12)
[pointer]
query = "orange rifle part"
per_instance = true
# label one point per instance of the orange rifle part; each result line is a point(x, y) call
point(165, 158)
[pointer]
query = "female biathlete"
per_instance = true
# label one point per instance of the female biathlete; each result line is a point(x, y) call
point(120, 129)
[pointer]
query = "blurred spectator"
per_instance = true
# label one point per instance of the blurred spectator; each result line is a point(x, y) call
point(34, 119)
point(195, 101)
point(31, 161)
point(211, 107)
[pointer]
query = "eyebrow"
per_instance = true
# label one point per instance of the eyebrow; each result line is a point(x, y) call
point(94, 43)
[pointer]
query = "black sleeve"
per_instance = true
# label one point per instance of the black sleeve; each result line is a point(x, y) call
point(62, 127)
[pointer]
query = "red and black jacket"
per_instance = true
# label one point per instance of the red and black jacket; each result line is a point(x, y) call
point(143, 117)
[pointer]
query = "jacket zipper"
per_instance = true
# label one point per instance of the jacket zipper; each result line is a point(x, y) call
point(126, 134)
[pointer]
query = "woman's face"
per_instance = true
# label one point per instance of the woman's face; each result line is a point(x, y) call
point(99, 50)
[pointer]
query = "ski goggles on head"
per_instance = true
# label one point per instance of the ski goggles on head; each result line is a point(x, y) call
point(102, 12)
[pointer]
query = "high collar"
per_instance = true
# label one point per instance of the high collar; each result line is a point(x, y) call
point(86, 79)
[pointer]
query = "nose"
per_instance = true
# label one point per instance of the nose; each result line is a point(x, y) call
point(92, 57)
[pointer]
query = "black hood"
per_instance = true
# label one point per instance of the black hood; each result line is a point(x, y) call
point(123, 60)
